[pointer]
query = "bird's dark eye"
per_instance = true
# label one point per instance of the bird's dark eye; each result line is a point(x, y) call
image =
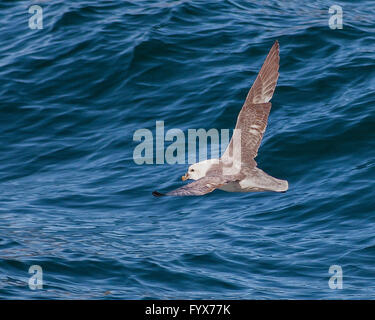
point(192, 170)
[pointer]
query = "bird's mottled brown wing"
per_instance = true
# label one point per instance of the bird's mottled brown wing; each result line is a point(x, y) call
point(248, 134)
point(197, 188)
point(265, 83)
point(253, 117)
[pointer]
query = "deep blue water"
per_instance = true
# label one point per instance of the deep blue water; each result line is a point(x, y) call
point(73, 201)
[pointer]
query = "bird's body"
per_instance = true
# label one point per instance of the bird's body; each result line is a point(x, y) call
point(236, 170)
point(255, 183)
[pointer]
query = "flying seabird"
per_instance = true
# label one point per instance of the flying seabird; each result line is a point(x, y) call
point(236, 170)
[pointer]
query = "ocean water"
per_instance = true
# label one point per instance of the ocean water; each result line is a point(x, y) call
point(74, 202)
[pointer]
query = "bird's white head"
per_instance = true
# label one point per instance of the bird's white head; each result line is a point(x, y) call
point(198, 170)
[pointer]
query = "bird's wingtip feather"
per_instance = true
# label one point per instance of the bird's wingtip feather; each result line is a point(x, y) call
point(157, 194)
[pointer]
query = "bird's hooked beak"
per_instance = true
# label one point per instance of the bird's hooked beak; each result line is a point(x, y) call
point(185, 177)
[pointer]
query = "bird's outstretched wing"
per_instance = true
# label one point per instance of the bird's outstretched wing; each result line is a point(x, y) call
point(253, 117)
point(199, 187)
point(265, 83)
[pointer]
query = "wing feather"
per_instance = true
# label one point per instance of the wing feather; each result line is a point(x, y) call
point(199, 187)
point(250, 127)
point(265, 83)
point(252, 119)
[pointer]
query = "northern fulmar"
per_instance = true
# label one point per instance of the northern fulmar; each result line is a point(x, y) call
point(236, 170)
